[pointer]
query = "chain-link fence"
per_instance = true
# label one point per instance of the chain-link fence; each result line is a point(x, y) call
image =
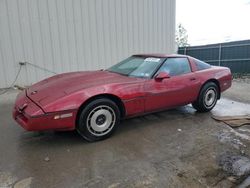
point(235, 55)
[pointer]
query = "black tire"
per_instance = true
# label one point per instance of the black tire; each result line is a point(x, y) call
point(98, 120)
point(207, 98)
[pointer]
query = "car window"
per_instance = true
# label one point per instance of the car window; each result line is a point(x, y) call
point(136, 66)
point(201, 65)
point(175, 66)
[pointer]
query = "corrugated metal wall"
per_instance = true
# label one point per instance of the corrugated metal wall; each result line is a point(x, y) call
point(70, 35)
point(235, 55)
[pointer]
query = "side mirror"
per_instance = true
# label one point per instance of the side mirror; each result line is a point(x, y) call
point(161, 76)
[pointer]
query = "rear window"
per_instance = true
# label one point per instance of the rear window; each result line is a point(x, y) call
point(201, 65)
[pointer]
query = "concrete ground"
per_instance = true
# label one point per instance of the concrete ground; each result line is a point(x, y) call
point(175, 148)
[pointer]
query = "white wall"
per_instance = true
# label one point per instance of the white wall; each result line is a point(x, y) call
point(70, 35)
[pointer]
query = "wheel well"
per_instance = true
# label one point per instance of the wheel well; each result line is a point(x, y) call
point(114, 98)
point(217, 83)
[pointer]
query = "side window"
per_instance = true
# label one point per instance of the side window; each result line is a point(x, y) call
point(176, 66)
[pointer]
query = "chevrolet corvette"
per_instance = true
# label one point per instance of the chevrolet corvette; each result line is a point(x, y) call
point(94, 102)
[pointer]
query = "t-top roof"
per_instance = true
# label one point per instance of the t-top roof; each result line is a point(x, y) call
point(160, 55)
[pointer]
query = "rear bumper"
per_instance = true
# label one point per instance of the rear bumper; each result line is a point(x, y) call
point(33, 119)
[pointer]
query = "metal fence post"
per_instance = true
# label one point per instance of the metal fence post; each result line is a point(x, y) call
point(185, 50)
point(219, 55)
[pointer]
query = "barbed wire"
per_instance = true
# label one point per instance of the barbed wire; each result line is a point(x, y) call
point(19, 71)
point(14, 81)
point(41, 68)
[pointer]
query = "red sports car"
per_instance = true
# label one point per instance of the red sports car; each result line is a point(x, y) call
point(94, 102)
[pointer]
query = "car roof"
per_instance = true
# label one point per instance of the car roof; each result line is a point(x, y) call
point(160, 55)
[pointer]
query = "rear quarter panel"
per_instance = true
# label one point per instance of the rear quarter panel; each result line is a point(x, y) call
point(221, 74)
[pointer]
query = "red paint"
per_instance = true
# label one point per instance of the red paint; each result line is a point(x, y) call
point(65, 93)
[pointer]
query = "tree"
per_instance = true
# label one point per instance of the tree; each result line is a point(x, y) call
point(181, 36)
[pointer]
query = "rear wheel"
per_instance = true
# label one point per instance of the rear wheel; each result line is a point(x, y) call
point(98, 120)
point(207, 98)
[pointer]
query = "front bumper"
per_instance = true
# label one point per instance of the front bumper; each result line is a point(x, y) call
point(32, 118)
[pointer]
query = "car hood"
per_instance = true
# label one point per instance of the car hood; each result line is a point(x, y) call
point(56, 87)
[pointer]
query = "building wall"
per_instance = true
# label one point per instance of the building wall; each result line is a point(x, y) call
point(72, 35)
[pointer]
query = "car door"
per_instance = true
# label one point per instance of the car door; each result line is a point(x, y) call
point(180, 88)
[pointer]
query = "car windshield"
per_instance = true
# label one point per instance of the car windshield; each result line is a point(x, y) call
point(137, 66)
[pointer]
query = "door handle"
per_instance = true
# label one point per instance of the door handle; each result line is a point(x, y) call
point(192, 79)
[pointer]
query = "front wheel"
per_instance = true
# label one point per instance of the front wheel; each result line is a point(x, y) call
point(98, 120)
point(207, 98)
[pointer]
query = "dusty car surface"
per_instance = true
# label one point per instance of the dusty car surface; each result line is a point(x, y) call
point(94, 102)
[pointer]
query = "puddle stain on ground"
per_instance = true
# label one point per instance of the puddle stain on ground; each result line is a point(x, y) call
point(236, 166)
point(8, 180)
point(227, 107)
point(24, 183)
point(233, 136)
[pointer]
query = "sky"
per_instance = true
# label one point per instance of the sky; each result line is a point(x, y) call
point(214, 21)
